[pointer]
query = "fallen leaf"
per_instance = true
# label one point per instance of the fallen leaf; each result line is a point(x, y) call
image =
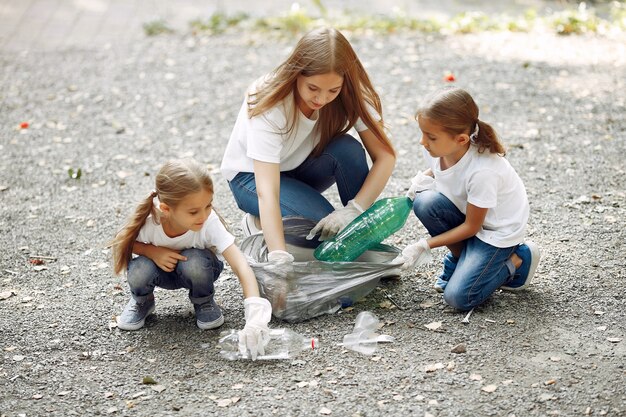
point(489, 388)
point(148, 380)
point(460, 348)
point(433, 326)
point(550, 382)
point(158, 388)
point(302, 384)
point(555, 358)
point(225, 402)
point(325, 411)
point(7, 294)
point(434, 367)
point(386, 304)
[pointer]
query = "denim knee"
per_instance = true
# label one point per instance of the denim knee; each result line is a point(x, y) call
point(458, 299)
point(201, 266)
point(142, 273)
point(425, 204)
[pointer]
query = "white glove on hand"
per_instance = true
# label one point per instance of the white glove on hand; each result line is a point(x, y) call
point(330, 225)
point(280, 263)
point(419, 183)
point(255, 334)
point(413, 255)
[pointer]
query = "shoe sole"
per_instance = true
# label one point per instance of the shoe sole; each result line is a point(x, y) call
point(211, 324)
point(535, 256)
point(246, 229)
point(133, 326)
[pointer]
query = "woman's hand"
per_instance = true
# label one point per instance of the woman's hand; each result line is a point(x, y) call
point(332, 224)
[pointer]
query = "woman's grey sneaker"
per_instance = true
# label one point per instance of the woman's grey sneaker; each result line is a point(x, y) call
point(134, 315)
point(208, 315)
point(530, 254)
point(248, 227)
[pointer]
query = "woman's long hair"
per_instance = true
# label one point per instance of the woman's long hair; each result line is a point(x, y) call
point(175, 180)
point(456, 112)
point(322, 51)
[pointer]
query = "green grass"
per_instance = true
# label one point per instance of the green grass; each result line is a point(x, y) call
point(156, 27)
point(574, 21)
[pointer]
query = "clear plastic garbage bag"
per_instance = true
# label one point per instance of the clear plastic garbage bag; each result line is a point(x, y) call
point(314, 287)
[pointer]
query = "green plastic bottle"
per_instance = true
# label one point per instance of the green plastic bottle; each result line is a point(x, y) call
point(385, 217)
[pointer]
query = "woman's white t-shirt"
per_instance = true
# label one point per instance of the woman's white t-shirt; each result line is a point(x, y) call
point(265, 138)
point(213, 235)
point(486, 180)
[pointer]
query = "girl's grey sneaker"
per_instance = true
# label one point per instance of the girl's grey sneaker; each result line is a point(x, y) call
point(208, 315)
point(134, 315)
point(530, 255)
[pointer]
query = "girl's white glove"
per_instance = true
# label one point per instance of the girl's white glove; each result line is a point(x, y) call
point(255, 334)
point(420, 182)
point(413, 255)
point(330, 225)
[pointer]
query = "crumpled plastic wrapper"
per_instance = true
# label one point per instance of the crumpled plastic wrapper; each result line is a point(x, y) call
point(314, 287)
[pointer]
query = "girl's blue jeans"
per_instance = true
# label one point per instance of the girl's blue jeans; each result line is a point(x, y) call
point(481, 268)
point(197, 274)
point(342, 162)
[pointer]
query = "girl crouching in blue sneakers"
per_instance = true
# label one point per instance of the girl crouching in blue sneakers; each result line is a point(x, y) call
point(470, 200)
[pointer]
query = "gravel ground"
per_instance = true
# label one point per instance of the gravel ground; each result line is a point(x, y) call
point(118, 113)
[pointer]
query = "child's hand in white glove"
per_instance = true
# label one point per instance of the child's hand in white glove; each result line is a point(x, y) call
point(255, 334)
point(413, 255)
point(421, 182)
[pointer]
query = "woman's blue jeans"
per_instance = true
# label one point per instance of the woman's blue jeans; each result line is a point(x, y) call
point(197, 274)
point(342, 162)
point(481, 268)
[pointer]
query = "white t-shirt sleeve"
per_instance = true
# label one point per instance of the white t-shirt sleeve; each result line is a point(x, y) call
point(359, 126)
point(482, 188)
point(264, 138)
point(215, 234)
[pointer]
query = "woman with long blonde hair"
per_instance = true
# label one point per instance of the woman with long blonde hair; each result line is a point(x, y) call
point(290, 142)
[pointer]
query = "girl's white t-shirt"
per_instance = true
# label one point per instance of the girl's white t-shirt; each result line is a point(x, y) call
point(486, 180)
point(265, 138)
point(213, 235)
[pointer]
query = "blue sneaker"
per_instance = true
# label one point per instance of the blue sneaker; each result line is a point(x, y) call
point(530, 255)
point(208, 315)
point(449, 265)
point(134, 315)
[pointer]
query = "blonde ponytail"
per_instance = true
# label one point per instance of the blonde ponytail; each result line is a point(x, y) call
point(122, 244)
